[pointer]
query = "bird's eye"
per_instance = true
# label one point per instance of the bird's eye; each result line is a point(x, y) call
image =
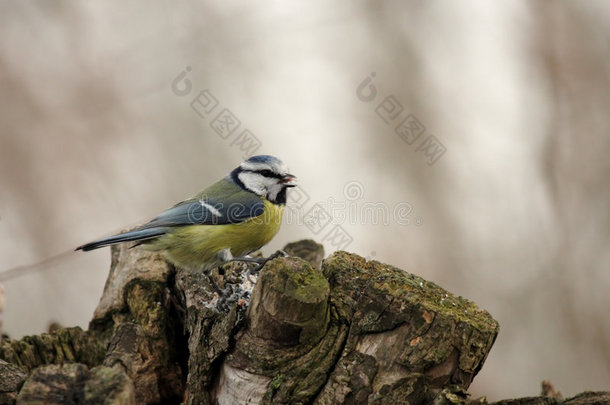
point(266, 173)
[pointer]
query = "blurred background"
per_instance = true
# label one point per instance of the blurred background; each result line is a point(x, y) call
point(464, 142)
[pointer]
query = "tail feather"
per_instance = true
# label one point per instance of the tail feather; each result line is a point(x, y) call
point(135, 235)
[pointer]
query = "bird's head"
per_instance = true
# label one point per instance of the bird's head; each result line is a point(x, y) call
point(266, 176)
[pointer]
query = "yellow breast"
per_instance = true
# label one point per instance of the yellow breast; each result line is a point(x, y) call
point(195, 247)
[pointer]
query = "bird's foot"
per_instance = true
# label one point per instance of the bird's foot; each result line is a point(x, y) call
point(260, 261)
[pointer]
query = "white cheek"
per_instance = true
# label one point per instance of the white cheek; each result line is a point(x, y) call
point(252, 182)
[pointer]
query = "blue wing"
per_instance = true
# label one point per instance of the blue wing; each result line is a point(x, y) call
point(210, 211)
point(220, 204)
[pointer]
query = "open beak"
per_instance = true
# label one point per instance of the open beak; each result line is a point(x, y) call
point(289, 180)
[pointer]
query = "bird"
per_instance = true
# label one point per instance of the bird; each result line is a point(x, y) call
point(233, 217)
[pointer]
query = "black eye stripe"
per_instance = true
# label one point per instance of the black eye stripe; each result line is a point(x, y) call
point(266, 173)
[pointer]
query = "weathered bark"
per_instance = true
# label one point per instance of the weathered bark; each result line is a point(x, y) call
point(134, 331)
point(144, 336)
point(73, 383)
point(287, 348)
point(209, 333)
point(11, 380)
point(62, 345)
point(354, 332)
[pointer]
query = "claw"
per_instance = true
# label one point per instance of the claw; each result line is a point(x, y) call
point(279, 253)
point(260, 261)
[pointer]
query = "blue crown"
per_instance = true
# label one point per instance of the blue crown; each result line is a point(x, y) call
point(264, 159)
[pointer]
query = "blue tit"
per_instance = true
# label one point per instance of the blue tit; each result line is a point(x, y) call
point(233, 217)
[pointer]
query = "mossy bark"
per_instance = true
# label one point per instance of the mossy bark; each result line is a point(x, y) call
point(133, 334)
point(345, 331)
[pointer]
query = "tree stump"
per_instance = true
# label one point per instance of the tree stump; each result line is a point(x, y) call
point(352, 332)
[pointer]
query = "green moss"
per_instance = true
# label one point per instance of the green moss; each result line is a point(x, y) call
point(108, 385)
point(144, 299)
point(276, 382)
point(307, 287)
point(400, 284)
point(62, 345)
point(299, 280)
point(273, 386)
